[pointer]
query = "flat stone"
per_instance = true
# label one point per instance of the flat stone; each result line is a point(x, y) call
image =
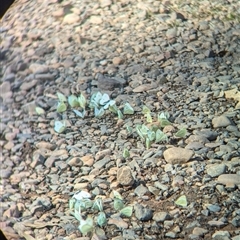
point(38, 68)
point(161, 216)
point(71, 18)
point(140, 190)
point(87, 160)
point(230, 180)
point(221, 121)
point(199, 231)
point(220, 234)
point(94, 19)
point(177, 155)
point(215, 170)
point(124, 176)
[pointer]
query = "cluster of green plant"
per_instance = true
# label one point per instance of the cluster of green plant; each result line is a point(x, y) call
point(153, 133)
point(98, 102)
point(81, 203)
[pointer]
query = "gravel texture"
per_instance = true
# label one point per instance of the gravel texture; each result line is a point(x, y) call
point(176, 56)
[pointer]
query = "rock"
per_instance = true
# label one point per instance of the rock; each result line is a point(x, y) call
point(221, 121)
point(142, 88)
point(105, 3)
point(197, 138)
point(161, 216)
point(71, 18)
point(106, 83)
point(230, 180)
point(207, 133)
point(236, 221)
point(221, 235)
point(28, 85)
point(171, 33)
point(129, 234)
point(38, 68)
point(5, 90)
point(199, 231)
point(119, 222)
point(95, 19)
point(101, 163)
point(142, 213)
point(216, 223)
point(140, 190)
point(87, 160)
point(176, 155)
point(124, 176)
point(213, 207)
point(117, 60)
point(215, 170)
point(101, 154)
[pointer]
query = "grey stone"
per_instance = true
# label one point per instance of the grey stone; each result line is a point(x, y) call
point(221, 235)
point(221, 121)
point(140, 190)
point(101, 163)
point(142, 213)
point(161, 216)
point(236, 221)
point(199, 231)
point(213, 207)
point(215, 170)
point(129, 234)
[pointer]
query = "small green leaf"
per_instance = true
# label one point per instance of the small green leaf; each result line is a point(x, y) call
point(109, 104)
point(118, 204)
point(71, 203)
point(164, 122)
point(144, 130)
point(181, 201)
point(97, 205)
point(78, 216)
point(161, 136)
point(85, 204)
point(104, 99)
point(81, 195)
point(117, 195)
point(120, 115)
point(151, 135)
point(82, 101)
point(61, 97)
point(86, 226)
point(127, 211)
point(101, 219)
point(61, 107)
point(73, 101)
point(128, 109)
point(113, 109)
point(39, 110)
point(98, 112)
point(148, 143)
point(145, 110)
point(129, 129)
point(163, 115)
point(138, 128)
point(59, 126)
point(149, 117)
point(80, 114)
point(126, 153)
point(181, 133)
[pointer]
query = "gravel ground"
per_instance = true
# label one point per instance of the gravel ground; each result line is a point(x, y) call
point(176, 56)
